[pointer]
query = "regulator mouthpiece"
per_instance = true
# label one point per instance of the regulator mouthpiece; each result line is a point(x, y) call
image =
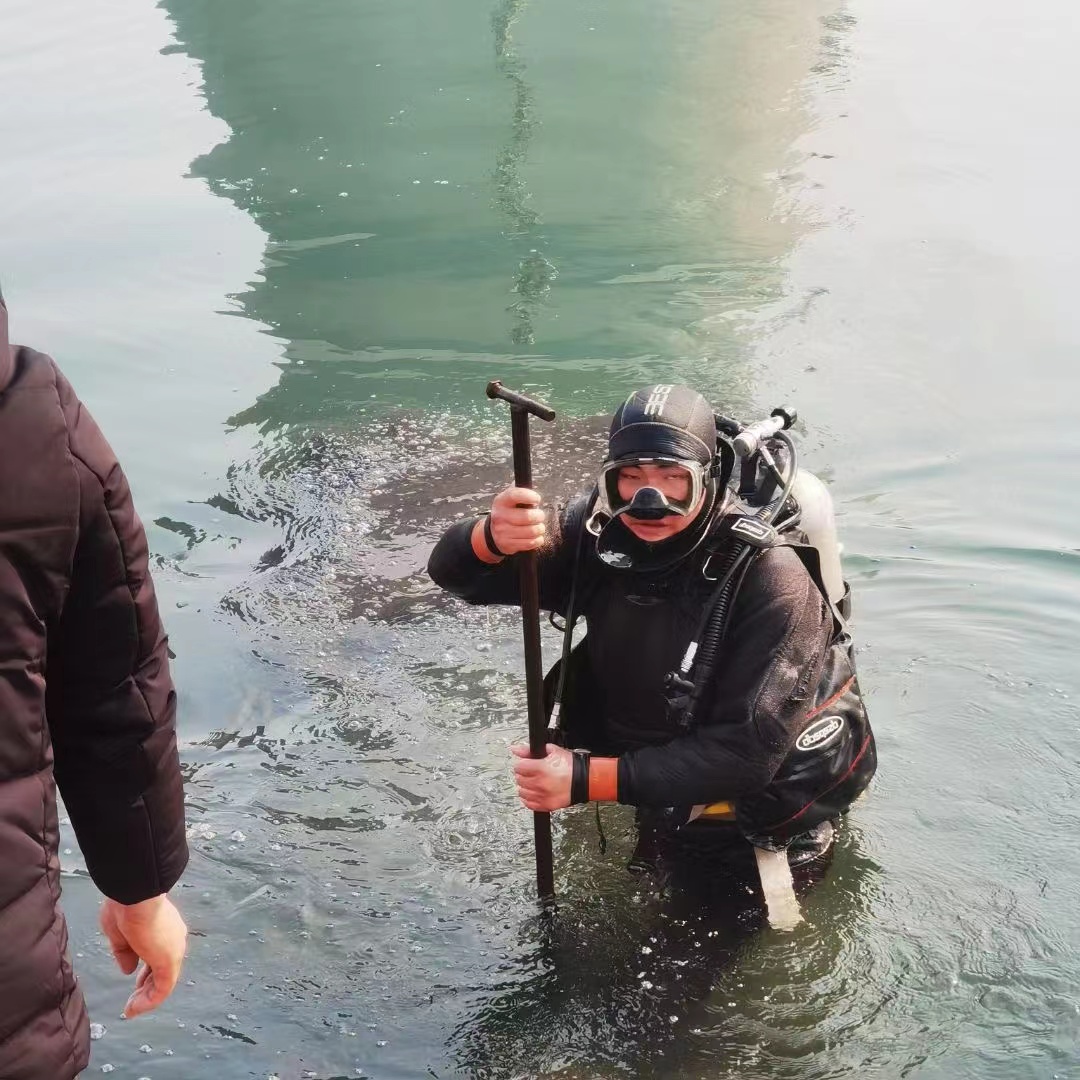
point(650, 504)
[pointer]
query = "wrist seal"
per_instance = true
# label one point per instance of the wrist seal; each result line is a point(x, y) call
point(579, 778)
point(489, 539)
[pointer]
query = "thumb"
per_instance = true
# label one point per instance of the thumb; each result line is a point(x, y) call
point(146, 996)
point(156, 981)
point(522, 750)
point(152, 987)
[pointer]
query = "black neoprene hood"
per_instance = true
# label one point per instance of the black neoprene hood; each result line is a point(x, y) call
point(665, 420)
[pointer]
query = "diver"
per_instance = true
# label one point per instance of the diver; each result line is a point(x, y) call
point(715, 686)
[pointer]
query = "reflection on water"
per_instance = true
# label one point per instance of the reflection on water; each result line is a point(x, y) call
point(536, 273)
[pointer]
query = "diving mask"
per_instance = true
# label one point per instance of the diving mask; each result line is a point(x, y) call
point(653, 487)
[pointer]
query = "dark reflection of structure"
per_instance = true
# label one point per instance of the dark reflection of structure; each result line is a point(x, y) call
point(535, 272)
point(835, 48)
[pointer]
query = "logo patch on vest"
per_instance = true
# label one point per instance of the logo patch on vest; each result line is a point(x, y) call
point(820, 733)
point(754, 531)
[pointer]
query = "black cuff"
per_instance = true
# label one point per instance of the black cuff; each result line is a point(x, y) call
point(579, 778)
point(489, 539)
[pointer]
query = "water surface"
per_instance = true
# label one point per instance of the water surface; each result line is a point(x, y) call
point(279, 249)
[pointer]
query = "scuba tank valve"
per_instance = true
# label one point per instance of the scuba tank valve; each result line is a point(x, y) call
point(750, 438)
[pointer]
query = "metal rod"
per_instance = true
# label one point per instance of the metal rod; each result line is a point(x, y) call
point(534, 673)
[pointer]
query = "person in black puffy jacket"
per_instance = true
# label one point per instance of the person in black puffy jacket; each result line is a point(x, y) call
point(86, 703)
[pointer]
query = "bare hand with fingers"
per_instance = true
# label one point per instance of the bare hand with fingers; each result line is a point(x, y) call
point(543, 783)
point(153, 932)
point(517, 523)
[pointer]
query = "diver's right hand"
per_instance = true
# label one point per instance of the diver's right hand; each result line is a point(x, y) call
point(517, 524)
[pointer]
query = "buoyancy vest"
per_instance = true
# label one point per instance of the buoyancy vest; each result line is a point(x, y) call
point(834, 755)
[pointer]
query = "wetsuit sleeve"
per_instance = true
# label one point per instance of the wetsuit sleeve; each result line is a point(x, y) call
point(762, 686)
point(454, 566)
point(111, 705)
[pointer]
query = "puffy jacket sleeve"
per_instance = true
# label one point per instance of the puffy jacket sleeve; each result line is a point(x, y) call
point(111, 705)
point(763, 684)
point(454, 567)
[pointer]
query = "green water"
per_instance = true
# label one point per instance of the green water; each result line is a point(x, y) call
point(280, 248)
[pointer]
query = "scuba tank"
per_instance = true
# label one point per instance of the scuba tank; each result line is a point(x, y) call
point(818, 523)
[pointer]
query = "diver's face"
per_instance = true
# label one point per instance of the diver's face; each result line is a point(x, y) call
point(671, 481)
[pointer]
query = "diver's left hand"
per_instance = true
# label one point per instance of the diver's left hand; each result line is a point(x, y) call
point(543, 783)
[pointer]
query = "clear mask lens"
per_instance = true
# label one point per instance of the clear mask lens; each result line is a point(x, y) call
point(650, 488)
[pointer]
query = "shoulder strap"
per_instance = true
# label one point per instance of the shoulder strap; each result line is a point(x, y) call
point(571, 610)
point(685, 687)
point(752, 530)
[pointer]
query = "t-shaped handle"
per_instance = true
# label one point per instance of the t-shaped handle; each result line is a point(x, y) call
point(495, 389)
